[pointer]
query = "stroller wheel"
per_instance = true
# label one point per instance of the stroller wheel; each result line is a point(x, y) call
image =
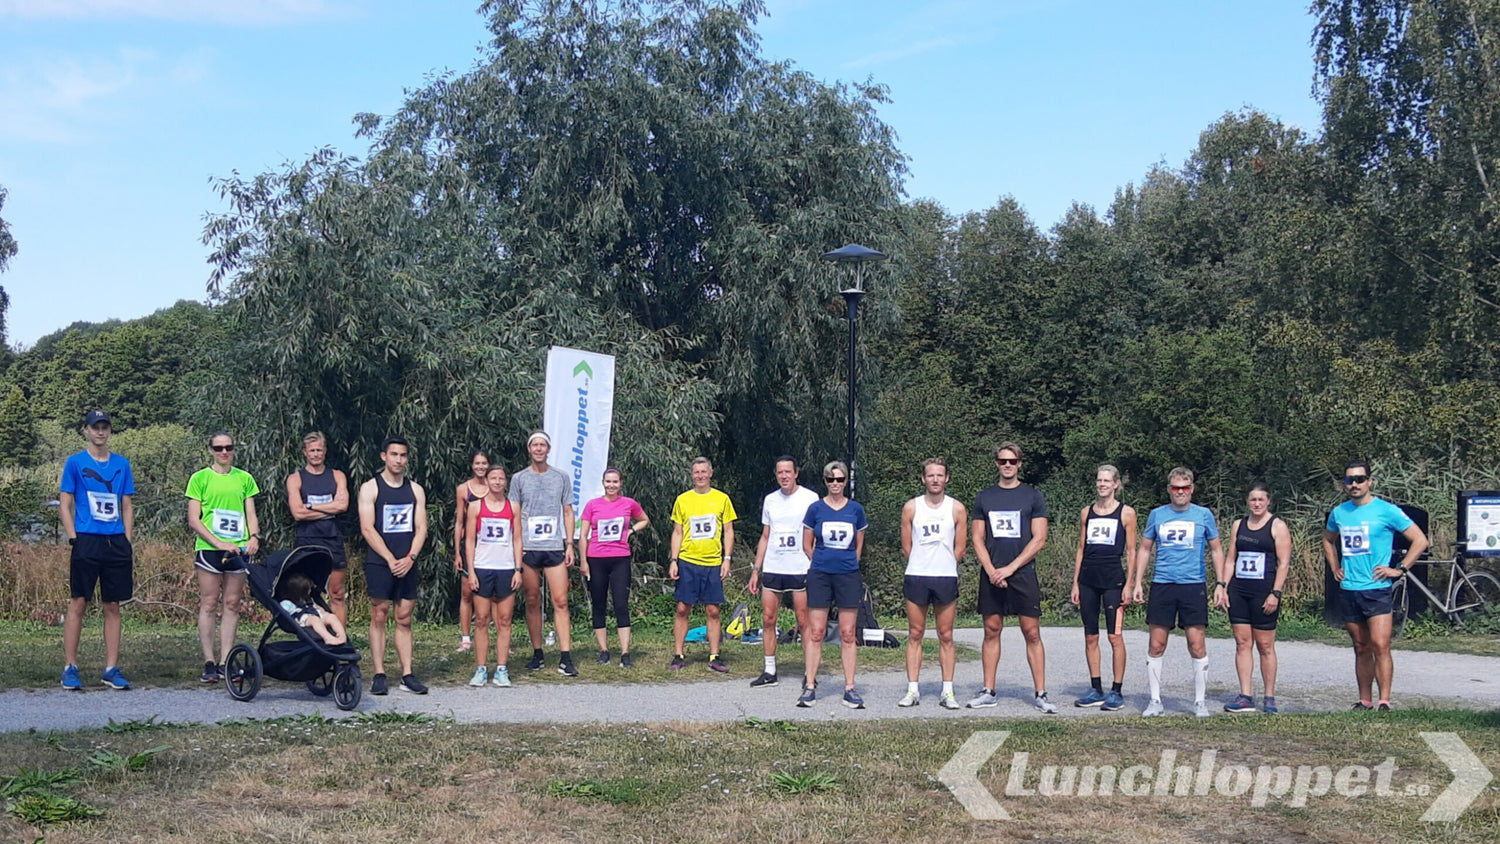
point(242, 672)
point(323, 686)
point(347, 686)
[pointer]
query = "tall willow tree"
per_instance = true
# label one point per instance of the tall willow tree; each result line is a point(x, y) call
point(633, 178)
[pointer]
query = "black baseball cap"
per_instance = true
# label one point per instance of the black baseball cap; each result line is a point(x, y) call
point(95, 417)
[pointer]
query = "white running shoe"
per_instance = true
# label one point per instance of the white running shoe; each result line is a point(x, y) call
point(1154, 709)
point(911, 699)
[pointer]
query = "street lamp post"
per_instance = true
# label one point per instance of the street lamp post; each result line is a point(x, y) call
point(858, 256)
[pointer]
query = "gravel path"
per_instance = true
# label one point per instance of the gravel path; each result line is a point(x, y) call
point(1312, 677)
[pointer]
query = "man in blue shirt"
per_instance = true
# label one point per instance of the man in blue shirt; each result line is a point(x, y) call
point(1178, 533)
point(99, 519)
point(1357, 545)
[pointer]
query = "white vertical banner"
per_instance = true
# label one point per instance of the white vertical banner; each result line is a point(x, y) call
point(579, 408)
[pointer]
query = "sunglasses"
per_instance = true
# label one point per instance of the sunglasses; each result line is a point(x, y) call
point(834, 480)
point(221, 448)
point(1180, 488)
point(1350, 480)
point(1009, 461)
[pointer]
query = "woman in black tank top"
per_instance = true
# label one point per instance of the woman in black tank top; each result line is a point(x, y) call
point(1260, 550)
point(1101, 572)
point(467, 493)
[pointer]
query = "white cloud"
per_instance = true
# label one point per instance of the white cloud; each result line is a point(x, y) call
point(57, 98)
point(882, 56)
point(214, 11)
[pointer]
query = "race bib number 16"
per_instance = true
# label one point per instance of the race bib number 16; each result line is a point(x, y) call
point(703, 527)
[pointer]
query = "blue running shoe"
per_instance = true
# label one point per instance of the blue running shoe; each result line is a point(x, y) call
point(70, 678)
point(114, 679)
point(1113, 701)
point(1093, 698)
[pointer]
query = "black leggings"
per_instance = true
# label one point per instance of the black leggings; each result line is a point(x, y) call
point(610, 575)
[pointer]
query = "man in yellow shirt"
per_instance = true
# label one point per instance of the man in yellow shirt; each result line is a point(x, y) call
point(702, 542)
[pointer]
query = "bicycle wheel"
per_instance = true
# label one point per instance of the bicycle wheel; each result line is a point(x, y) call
point(1481, 591)
point(1400, 605)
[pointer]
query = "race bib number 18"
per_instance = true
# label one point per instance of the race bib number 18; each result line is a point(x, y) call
point(783, 542)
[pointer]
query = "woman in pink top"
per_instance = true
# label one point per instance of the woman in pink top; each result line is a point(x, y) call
point(604, 547)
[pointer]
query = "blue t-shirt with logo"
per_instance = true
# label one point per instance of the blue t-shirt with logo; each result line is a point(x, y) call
point(834, 533)
point(98, 488)
point(1180, 537)
point(1364, 540)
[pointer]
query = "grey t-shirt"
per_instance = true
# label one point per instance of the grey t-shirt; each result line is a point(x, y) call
point(541, 499)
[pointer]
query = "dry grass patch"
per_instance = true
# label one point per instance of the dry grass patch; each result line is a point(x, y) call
point(314, 780)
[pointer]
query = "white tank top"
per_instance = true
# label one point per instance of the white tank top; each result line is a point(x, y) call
point(932, 540)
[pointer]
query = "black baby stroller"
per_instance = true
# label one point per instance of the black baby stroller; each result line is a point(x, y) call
point(326, 669)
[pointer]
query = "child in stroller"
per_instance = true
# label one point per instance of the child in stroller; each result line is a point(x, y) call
point(298, 590)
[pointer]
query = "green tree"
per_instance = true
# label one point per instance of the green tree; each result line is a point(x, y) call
point(7, 251)
point(18, 437)
point(632, 178)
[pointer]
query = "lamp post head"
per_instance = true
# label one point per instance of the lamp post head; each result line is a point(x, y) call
point(857, 255)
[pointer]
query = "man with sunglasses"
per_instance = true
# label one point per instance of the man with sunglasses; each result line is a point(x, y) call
point(1177, 533)
point(1357, 545)
point(1009, 528)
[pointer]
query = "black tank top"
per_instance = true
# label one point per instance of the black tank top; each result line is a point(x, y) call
point(395, 518)
point(1104, 549)
point(1255, 557)
point(319, 488)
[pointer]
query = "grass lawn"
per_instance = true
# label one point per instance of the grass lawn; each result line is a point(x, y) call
point(372, 777)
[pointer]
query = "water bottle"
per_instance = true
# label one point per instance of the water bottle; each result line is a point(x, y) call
point(551, 637)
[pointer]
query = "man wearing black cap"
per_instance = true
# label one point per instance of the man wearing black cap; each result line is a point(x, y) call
point(99, 519)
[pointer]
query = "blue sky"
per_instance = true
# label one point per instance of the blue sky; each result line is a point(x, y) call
point(115, 115)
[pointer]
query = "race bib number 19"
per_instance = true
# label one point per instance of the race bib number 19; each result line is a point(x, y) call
point(611, 530)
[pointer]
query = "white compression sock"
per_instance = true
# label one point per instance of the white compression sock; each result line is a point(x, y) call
point(1153, 676)
point(770, 665)
point(1200, 678)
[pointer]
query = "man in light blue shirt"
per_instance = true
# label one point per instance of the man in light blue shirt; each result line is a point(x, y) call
point(1178, 533)
point(1357, 545)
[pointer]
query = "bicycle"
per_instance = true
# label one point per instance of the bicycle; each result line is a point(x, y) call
point(1466, 591)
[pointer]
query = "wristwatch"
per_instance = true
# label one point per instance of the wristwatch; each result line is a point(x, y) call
point(1277, 593)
